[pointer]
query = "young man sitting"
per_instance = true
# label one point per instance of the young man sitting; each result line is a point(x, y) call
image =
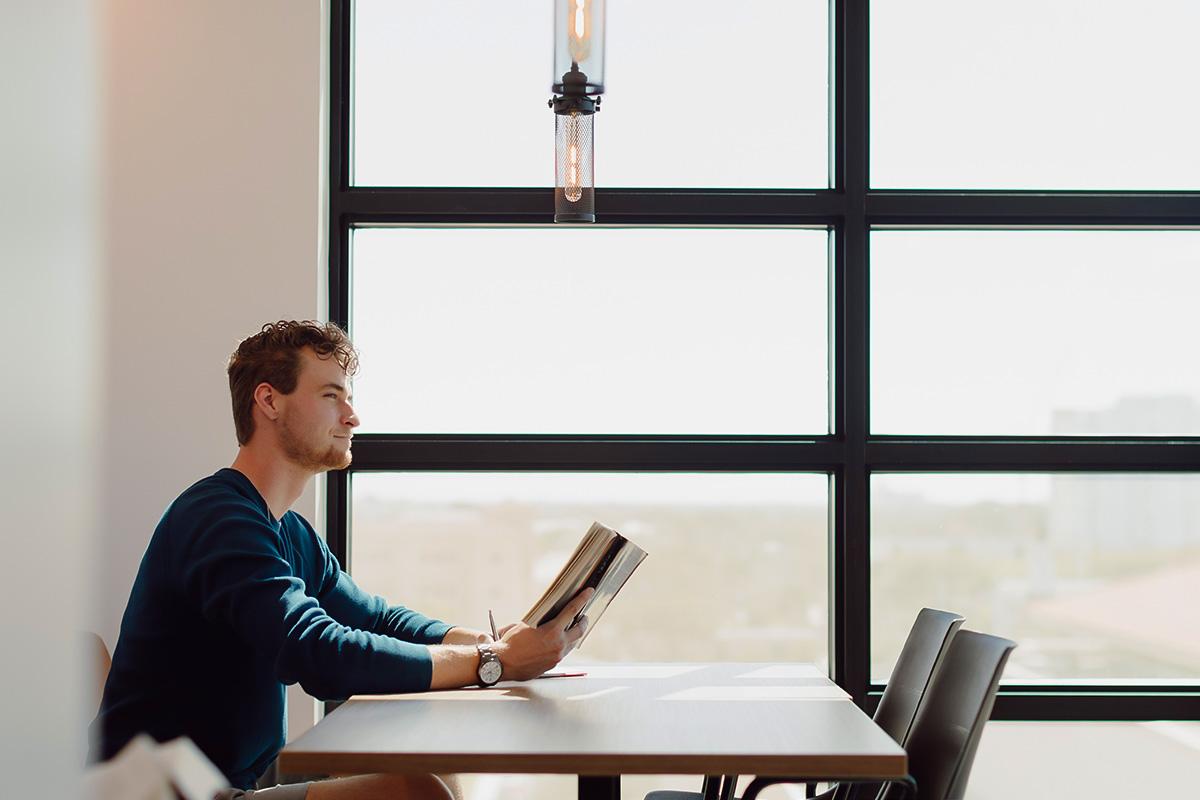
point(237, 596)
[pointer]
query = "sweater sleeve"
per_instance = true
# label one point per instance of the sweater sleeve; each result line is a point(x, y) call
point(349, 604)
point(233, 568)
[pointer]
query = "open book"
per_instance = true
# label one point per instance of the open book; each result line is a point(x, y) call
point(604, 559)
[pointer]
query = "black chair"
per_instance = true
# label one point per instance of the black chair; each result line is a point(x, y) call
point(919, 658)
point(945, 734)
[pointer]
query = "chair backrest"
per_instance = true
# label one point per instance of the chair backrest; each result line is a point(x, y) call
point(922, 654)
point(945, 735)
point(100, 664)
point(919, 659)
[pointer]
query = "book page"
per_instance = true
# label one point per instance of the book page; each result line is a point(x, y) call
point(571, 578)
point(603, 560)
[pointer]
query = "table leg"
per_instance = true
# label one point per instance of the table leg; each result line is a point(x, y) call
point(599, 787)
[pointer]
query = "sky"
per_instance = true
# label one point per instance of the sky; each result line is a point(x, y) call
point(483, 70)
point(1033, 94)
point(964, 94)
point(637, 331)
point(725, 331)
point(601, 489)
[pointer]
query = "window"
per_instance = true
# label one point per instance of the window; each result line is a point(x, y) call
point(977, 393)
point(1086, 572)
point(1034, 333)
point(470, 110)
point(1074, 94)
point(642, 331)
point(505, 535)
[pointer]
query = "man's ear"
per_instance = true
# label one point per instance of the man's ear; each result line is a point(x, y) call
point(265, 399)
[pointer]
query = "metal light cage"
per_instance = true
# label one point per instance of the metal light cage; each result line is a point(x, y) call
point(574, 179)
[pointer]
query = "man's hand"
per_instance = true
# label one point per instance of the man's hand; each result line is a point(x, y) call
point(527, 652)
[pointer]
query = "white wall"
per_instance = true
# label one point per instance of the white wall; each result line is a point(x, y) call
point(48, 273)
point(214, 218)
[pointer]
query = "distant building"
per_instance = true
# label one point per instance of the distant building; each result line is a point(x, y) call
point(1096, 513)
point(1148, 415)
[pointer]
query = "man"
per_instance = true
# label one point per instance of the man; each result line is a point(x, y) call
point(237, 596)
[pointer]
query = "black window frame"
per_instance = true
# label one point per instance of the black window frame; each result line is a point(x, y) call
point(849, 210)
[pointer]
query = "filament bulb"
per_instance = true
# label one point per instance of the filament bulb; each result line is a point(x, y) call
point(573, 185)
point(579, 29)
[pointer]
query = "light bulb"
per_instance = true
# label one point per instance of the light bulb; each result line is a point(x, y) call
point(579, 29)
point(573, 183)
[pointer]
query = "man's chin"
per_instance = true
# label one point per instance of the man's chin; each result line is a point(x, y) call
point(329, 461)
point(336, 460)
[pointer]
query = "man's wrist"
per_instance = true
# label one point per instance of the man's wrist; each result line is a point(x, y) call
point(490, 668)
point(454, 666)
point(466, 636)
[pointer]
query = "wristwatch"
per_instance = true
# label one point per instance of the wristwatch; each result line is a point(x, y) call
point(489, 665)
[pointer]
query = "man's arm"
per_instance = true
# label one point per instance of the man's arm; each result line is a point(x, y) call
point(349, 604)
point(524, 652)
point(466, 636)
point(234, 572)
point(342, 598)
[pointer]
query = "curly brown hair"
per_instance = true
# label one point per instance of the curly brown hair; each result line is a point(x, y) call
point(273, 356)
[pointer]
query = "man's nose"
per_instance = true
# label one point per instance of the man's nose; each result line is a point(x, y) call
point(352, 418)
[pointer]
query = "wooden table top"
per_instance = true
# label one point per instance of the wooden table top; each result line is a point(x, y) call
point(730, 718)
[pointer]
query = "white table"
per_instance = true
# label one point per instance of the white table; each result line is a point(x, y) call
point(728, 718)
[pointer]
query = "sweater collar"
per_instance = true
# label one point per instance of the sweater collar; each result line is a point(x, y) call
point(250, 491)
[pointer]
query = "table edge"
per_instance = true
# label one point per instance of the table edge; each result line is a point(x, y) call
point(881, 767)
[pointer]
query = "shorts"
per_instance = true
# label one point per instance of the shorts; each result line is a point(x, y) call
point(267, 787)
point(282, 791)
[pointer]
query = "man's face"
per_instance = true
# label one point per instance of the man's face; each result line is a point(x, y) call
point(316, 421)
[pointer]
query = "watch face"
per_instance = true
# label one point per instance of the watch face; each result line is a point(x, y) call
point(489, 671)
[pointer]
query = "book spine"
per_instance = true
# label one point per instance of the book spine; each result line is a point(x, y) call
point(614, 548)
point(594, 577)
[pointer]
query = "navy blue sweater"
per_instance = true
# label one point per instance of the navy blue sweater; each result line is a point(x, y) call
point(229, 605)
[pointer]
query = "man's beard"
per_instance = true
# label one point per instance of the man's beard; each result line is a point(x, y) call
point(301, 453)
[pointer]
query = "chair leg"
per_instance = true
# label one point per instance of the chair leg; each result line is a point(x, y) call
point(710, 787)
point(728, 785)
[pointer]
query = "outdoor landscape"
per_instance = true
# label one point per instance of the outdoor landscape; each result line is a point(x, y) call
point(1087, 573)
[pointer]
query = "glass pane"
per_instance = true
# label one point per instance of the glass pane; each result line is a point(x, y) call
point(1092, 575)
point(601, 330)
point(1073, 94)
point(455, 545)
point(454, 94)
point(1034, 332)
